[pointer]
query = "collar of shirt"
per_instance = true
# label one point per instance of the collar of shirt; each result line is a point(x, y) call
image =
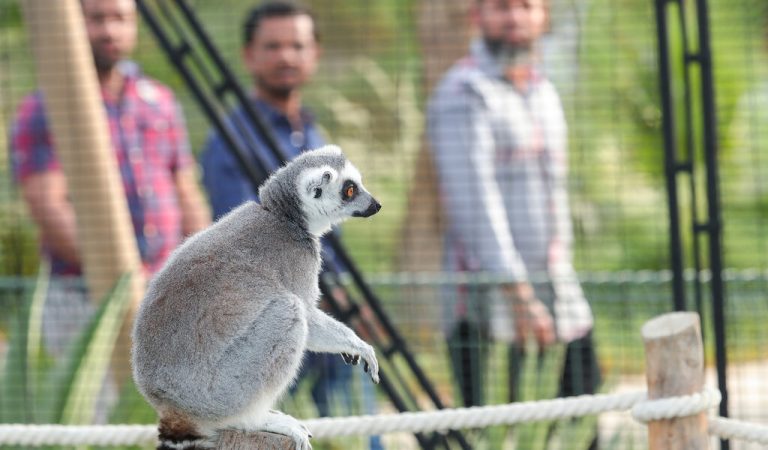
point(275, 115)
point(284, 129)
point(132, 87)
point(282, 132)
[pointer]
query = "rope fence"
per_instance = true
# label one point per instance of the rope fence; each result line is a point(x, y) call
point(643, 410)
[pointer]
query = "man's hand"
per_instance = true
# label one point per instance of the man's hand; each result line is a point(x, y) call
point(531, 315)
point(194, 211)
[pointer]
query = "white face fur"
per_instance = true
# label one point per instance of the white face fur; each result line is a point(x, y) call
point(328, 197)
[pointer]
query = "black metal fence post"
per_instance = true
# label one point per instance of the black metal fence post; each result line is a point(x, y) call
point(710, 227)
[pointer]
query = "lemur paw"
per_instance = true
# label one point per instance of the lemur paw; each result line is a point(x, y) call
point(370, 364)
point(281, 423)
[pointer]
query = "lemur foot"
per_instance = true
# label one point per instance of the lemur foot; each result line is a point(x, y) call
point(281, 423)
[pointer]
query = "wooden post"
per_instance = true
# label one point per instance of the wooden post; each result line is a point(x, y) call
point(674, 357)
point(240, 440)
point(75, 111)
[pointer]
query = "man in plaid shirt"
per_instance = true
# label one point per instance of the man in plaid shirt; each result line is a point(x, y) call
point(150, 144)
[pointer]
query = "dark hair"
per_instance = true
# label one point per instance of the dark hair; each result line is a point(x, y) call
point(275, 8)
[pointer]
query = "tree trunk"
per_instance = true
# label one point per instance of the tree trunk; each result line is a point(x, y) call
point(240, 440)
point(444, 34)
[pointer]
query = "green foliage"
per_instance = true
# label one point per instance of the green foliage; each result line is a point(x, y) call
point(18, 245)
point(18, 242)
point(88, 361)
point(38, 391)
point(617, 177)
point(24, 360)
point(132, 407)
point(10, 14)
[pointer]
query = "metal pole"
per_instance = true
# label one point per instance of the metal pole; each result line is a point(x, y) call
point(715, 226)
point(670, 158)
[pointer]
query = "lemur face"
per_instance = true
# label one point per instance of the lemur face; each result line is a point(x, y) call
point(330, 196)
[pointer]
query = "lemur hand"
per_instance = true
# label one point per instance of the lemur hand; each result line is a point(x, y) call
point(370, 364)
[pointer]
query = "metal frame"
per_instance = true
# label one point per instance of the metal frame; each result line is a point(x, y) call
point(684, 163)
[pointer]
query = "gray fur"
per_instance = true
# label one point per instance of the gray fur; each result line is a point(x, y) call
point(224, 325)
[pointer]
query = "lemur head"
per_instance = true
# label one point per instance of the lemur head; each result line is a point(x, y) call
point(318, 189)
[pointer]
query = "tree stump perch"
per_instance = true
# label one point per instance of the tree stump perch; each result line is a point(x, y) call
point(675, 366)
point(241, 440)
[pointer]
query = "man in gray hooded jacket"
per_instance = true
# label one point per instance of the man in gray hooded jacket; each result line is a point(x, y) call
point(498, 138)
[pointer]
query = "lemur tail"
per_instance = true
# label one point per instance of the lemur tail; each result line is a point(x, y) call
point(177, 432)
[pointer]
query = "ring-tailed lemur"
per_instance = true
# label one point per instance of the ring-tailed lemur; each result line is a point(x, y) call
point(224, 325)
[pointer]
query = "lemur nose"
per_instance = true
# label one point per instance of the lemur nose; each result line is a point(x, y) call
point(372, 209)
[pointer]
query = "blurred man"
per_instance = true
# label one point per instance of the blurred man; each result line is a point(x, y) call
point(149, 141)
point(498, 136)
point(280, 52)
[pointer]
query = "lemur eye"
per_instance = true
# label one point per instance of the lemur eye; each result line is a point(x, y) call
point(318, 192)
point(349, 190)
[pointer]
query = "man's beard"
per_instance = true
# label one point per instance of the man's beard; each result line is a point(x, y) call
point(104, 64)
point(278, 92)
point(508, 55)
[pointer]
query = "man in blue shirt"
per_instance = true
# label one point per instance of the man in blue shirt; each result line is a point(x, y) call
point(280, 52)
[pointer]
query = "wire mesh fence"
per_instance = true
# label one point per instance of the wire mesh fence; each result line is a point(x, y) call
point(375, 93)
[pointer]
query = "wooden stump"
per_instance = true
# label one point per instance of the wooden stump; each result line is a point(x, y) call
point(240, 440)
point(675, 366)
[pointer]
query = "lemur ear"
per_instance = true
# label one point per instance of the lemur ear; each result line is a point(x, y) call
point(313, 179)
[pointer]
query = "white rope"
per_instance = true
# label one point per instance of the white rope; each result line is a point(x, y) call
point(441, 420)
point(734, 429)
point(670, 407)
point(105, 435)
point(474, 417)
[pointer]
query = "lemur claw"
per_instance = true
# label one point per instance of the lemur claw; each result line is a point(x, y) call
point(351, 359)
point(370, 365)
